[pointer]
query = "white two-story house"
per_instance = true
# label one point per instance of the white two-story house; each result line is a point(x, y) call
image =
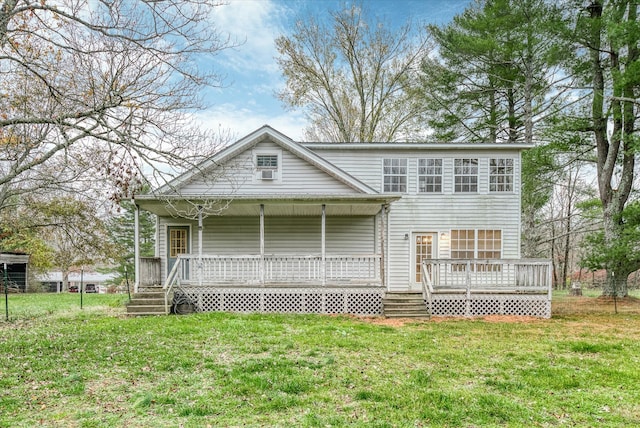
point(270, 224)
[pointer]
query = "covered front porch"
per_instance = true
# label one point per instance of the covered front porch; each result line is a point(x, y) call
point(309, 254)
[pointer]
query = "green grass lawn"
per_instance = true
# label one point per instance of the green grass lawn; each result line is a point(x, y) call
point(93, 367)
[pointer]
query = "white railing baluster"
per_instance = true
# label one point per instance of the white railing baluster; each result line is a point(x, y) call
point(280, 268)
point(490, 275)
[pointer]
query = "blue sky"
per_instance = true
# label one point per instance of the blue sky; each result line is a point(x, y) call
point(248, 101)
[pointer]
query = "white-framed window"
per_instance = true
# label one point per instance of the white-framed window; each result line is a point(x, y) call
point(489, 244)
point(482, 244)
point(429, 175)
point(267, 162)
point(394, 173)
point(465, 173)
point(463, 244)
point(267, 165)
point(501, 175)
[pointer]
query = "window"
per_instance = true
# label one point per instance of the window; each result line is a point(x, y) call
point(466, 175)
point(394, 174)
point(463, 244)
point(476, 244)
point(501, 175)
point(177, 242)
point(267, 162)
point(489, 244)
point(429, 175)
point(267, 166)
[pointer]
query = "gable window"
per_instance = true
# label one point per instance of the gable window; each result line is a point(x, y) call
point(267, 166)
point(465, 175)
point(267, 162)
point(501, 175)
point(394, 173)
point(429, 175)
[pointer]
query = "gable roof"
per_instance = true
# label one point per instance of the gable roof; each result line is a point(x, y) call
point(261, 134)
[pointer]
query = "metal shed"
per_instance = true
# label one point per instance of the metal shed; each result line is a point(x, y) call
point(16, 267)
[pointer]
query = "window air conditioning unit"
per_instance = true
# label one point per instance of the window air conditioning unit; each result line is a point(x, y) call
point(268, 174)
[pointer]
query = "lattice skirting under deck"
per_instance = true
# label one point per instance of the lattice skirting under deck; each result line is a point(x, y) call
point(357, 301)
point(536, 305)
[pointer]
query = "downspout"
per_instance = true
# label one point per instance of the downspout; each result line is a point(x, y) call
point(323, 245)
point(136, 245)
point(199, 245)
point(156, 251)
point(383, 257)
point(262, 244)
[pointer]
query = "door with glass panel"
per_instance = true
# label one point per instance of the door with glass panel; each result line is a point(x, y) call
point(177, 243)
point(424, 247)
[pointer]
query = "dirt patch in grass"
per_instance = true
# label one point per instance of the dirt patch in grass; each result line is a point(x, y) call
point(565, 305)
point(401, 322)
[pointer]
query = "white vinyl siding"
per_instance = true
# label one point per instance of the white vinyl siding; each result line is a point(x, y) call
point(415, 212)
point(283, 235)
point(437, 212)
point(238, 176)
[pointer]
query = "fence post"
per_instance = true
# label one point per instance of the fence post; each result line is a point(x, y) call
point(6, 293)
point(468, 280)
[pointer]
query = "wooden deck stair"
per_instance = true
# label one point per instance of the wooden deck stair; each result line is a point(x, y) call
point(149, 301)
point(404, 304)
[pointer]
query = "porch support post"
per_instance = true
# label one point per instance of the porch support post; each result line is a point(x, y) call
point(262, 273)
point(383, 246)
point(136, 246)
point(323, 245)
point(200, 227)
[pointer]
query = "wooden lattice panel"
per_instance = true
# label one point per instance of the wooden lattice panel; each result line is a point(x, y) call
point(536, 305)
point(359, 301)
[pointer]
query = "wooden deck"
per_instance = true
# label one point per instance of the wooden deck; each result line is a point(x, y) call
point(353, 284)
point(487, 287)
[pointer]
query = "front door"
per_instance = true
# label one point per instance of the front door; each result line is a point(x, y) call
point(177, 243)
point(424, 247)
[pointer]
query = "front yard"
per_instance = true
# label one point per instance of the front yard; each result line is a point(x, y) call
point(65, 366)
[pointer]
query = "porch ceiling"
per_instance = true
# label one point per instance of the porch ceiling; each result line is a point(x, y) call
point(283, 205)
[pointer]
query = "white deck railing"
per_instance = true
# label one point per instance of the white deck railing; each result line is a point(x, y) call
point(490, 276)
point(257, 270)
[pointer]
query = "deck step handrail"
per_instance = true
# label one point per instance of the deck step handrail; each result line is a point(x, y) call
point(427, 286)
point(172, 281)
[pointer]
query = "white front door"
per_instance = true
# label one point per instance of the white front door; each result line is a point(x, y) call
point(424, 247)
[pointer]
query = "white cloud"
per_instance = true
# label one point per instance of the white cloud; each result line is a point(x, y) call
point(256, 24)
point(252, 74)
point(243, 121)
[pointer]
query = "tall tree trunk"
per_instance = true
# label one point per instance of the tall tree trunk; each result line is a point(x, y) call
point(65, 280)
point(612, 147)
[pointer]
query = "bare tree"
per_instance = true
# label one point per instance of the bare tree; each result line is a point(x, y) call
point(98, 92)
point(76, 233)
point(352, 77)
